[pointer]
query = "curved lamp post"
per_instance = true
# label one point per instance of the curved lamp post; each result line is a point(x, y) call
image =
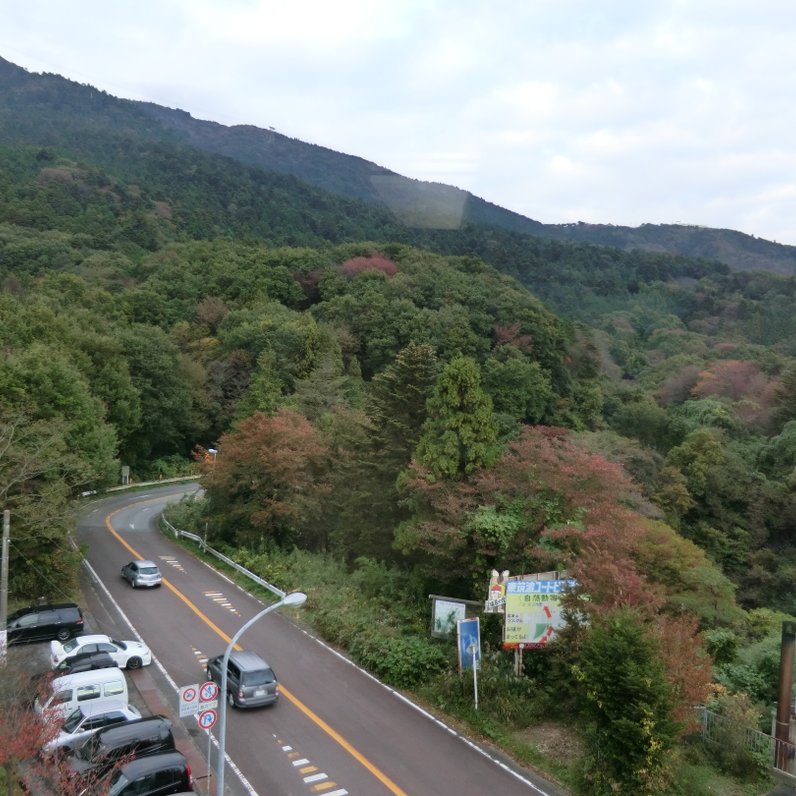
point(294, 598)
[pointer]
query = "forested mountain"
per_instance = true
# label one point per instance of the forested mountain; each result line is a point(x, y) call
point(412, 397)
point(53, 109)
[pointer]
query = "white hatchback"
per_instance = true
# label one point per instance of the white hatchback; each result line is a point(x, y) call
point(127, 654)
point(87, 719)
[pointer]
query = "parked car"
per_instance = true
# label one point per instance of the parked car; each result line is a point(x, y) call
point(127, 654)
point(251, 682)
point(154, 775)
point(88, 719)
point(142, 573)
point(97, 686)
point(44, 622)
point(132, 739)
point(84, 662)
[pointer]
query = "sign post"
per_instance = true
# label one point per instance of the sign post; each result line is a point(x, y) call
point(469, 643)
point(208, 701)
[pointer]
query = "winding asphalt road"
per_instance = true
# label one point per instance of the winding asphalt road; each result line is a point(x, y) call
point(335, 730)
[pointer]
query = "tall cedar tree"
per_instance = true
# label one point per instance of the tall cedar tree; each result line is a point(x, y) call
point(460, 434)
point(629, 707)
point(397, 401)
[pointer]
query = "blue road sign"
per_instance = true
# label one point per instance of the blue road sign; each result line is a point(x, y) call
point(468, 634)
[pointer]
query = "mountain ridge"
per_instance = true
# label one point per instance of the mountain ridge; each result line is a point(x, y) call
point(414, 202)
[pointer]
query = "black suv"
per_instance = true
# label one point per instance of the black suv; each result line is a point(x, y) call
point(155, 775)
point(136, 738)
point(44, 623)
point(84, 662)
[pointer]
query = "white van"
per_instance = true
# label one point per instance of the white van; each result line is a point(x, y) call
point(98, 686)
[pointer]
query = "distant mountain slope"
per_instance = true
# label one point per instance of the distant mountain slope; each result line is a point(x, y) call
point(49, 110)
point(740, 251)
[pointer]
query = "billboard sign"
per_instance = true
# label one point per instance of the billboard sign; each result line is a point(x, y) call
point(445, 613)
point(533, 612)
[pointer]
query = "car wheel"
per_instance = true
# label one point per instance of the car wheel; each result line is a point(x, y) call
point(134, 663)
point(63, 634)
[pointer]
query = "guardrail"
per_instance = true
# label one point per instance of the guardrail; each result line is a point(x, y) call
point(140, 484)
point(221, 557)
point(719, 730)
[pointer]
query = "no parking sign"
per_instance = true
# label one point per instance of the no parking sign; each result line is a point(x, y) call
point(189, 700)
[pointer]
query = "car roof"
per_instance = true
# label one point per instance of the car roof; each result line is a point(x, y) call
point(134, 728)
point(92, 675)
point(248, 661)
point(84, 656)
point(142, 765)
point(91, 709)
point(29, 609)
point(94, 638)
point(145, 562)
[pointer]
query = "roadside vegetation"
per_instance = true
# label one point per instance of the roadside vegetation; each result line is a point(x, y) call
point(395, 412)
point(379, 618)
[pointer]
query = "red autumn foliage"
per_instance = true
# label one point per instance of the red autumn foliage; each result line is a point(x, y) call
point(265, 464)
point(734, 379)
point(357, 265)
point(688, 666)
point(677, 388)
point(510, 335)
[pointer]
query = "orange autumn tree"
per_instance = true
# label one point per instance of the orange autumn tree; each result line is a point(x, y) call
point(23, 731)
point(548, 504)
point(260, 482)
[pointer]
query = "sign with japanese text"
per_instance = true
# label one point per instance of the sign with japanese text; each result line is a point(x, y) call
point(533, 611)
point(189, 700)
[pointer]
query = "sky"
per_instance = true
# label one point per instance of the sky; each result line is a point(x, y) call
point(614, 112)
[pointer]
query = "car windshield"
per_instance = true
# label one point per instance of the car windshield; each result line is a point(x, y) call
point(118, 783)
point(88, 749)
point(73, 720)
point(260, 677)
point(120, 644)
point(72, 645)
point(148, 570)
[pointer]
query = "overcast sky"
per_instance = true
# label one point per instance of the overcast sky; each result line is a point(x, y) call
point(660, 111)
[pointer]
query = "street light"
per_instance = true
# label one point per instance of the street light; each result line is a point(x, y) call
point(214, 453)
point(294, 598)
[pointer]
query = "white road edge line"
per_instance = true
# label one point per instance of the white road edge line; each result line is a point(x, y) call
point(245, 782)
point(423, 712)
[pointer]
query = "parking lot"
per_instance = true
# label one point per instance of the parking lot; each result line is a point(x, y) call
point(149, 690)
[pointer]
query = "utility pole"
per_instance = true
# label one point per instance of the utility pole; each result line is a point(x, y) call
point(785, 695)
point(6, 546)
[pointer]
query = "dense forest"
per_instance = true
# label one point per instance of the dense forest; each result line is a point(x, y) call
point(432, 401)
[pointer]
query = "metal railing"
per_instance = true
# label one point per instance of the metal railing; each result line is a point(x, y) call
point(719, 729)
point(221, 557)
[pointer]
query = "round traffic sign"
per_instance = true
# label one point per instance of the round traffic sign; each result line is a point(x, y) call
point(207, 718)
point(208, 691)
point(189, 694)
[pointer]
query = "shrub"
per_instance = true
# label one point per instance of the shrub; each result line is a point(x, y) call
point(402, 661)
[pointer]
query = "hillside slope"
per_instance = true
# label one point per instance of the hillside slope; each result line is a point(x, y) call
point(47, 108)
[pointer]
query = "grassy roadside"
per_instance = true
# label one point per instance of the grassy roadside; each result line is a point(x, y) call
point(367, 616)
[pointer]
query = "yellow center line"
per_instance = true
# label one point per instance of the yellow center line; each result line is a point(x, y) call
point(310, 714)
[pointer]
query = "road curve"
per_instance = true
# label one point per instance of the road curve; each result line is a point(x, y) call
point(335, 730)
